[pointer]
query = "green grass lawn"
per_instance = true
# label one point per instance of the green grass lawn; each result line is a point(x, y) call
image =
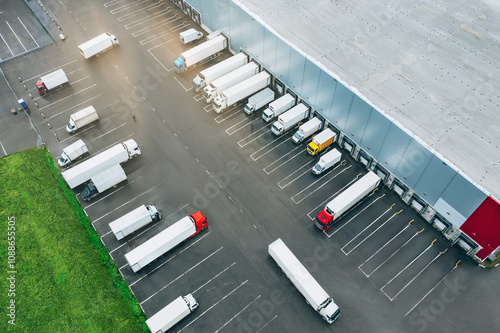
point(65, 280)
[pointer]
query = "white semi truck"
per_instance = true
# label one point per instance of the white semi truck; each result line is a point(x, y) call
point(277, 107)
point(81, 118)
point(166, 240)
point(103, 181)
point(190, 35)
point(117, 154)
point(327, 161)
point(206, 76)
point(72, 152)
point(305, 283)
point(258, 100)
point(173, 313)
point(240, 74)
point(290, 118)
point(307, 129)
point(240, 91)
point(51, 81)
point(134, 220)
point(190, 58)
point(98, 45)
point(346, 200)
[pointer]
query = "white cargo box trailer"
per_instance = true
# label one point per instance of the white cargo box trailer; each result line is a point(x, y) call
point(314, 294)
point(258, 100)
point(350, 196)
point(51, 81)
point(327, 161)
point(81, 118)
point(103, 181)
point(240, 91)
point(200, 52)
point(229, 80)
point(206, 76)
point(98, 45)
point(307, 129)
point(163, 242)
point(289, 119)
point(277, 107)
point(134, 220)
point(117, 154)
point(173, 313)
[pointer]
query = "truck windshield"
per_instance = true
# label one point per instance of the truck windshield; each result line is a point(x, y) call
point(318, 167)
point(275, 128)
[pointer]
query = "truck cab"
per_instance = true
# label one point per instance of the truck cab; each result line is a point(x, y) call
point(277, 128)
point(89, 192)
point(330, 312)
point(155, 214)
point(200, 222)
point(324, 219)
point(179, 64)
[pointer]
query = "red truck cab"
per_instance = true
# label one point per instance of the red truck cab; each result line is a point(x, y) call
point(324, 220)
point(200, 222)
point(41, 88)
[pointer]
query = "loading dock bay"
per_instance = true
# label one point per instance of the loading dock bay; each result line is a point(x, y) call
point(381, 262)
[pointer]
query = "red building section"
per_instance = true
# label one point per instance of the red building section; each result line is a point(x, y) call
point(483, 226)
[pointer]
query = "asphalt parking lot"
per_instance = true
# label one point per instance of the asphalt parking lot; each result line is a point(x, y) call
point(386, 267)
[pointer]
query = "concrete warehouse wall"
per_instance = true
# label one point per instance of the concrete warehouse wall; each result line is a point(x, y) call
point(373, 137)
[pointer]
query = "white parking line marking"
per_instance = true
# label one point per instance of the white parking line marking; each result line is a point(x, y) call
point(7, 45)
point(166, 218)
point(28, 31)
point(239, 122)
point(3, 149)
point(386, 260)
point(198, 97)
point(162, 65)
point(174, 256)
point(26, 50)
point(55, 115)
point(291, 181)
point(369, 235)
point(62, 99)
point(122, 8)
point(260, 329)
point(423, 269)
point(79, 80)
point(210, 308)
point(111, 3)
point(148, 18)
point(401, 271)
point(161, 23)
point(231, 112)
point(137, 12)
point(288, 160)
point(236, 315)
point(177, 278)
point(114, 129)
point(437, 284)
point(179, 82)
point(257, 131)
point(373, 255)
point(135, 197)
point(329, 180)
point(216, 276)
point(270, 150)
point(50, 70)
point(208, 107)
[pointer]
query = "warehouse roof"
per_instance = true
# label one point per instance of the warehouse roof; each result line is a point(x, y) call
point(431, 66)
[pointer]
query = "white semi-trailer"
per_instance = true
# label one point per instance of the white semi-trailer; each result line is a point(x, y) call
point(166, 240)
point(277, 107)
point(307, 129)
point(134, 220)
point(258, 100)
point(117, 154)
point(98, 45)
point(104, 181)
point(173, 313)
point(72, 152)
point(314, 294)
point(240, 91)
point(206, 76)
point(194, 56)
point(81, 118)
point(240, 74)
point(346, 200)
point(290, 118)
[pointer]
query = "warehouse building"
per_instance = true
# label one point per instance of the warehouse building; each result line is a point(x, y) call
point(408, 86)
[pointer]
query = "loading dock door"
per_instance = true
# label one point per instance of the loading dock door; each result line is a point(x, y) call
point(196, 16)
point(381, 172)
point(348, 145)
point(364, 158)
point(279, 86)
